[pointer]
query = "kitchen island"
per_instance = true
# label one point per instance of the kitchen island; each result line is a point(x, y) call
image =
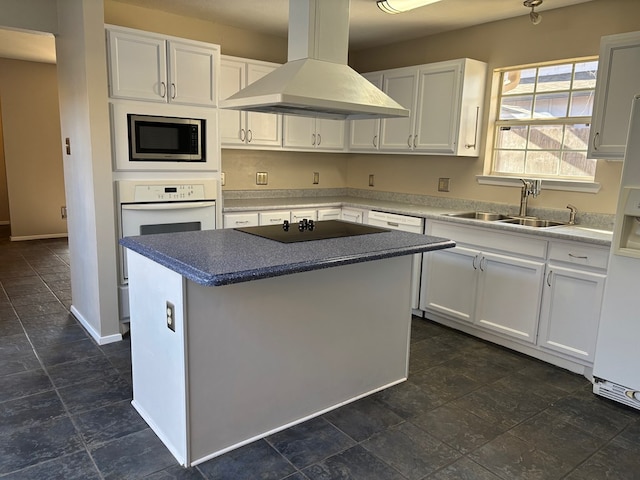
point(235, 336)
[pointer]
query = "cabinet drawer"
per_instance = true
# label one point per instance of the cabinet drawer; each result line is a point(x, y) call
point(272, 218)
point(494, 240)
point(235, 220)
point(297, 215)
point(579, 254)
point(396, 222)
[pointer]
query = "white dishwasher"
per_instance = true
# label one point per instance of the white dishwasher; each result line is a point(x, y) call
point(404, 223)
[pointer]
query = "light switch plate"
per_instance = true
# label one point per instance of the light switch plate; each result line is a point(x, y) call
point(223, 179)
point(316, 178)
point(371, 180)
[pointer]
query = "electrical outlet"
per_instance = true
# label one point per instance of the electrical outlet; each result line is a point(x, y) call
point(371, 180)
point(316, 178)
point(443, 184)
point(261, 178)
point(223, 179)
point(171, 316)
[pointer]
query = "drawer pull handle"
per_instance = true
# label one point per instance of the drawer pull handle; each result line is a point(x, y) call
point(474, 262)
point(242, 222)
point(392, 224)
point(582, 257)
point(549, 277)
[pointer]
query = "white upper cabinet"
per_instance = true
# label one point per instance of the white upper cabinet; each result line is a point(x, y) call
point(364, 134)
point(150, 67)
point(397, 133)
point(308, 133)
point(246, 129)
point(618, 81)
point(445, 100)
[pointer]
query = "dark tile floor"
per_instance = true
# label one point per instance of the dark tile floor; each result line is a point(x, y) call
point(470, 410)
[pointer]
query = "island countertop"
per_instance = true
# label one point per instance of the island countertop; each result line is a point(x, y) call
point(223, 257)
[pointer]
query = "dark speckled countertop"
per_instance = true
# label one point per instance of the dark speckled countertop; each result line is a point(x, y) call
point(223, 257)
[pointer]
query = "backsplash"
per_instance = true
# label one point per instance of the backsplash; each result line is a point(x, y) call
point(596, 220)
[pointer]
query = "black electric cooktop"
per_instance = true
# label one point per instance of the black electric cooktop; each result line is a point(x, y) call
point(307, 230)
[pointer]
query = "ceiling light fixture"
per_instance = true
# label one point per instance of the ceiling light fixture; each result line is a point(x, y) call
point(399, 6)
point(535, 17)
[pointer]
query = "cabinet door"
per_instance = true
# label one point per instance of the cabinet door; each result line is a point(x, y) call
point(137, 66)
point(262, 128)
point(192, 72)
point(330, 134)
point(618, 81)
point(363, 134)
point(299, 132)
point(509, 295)
point(232, 122)
point(397, 133)
point(438, 107)
point(571, 311)
point(449, 282)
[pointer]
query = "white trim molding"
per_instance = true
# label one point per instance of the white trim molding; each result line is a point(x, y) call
point(547, 183)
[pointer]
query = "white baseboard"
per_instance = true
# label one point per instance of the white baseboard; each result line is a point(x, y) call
point(37, 237)
point(100, 340)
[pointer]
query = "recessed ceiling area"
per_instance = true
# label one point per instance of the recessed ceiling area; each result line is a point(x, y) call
point(27, 45)
point(369, 26)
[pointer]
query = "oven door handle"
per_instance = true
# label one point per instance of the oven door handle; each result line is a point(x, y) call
point(167, 206)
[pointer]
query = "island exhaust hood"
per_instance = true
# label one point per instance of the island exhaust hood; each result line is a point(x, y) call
point(316, 80)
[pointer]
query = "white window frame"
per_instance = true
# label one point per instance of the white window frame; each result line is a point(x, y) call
point(550, 183)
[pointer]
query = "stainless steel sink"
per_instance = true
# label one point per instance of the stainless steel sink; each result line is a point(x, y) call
point(485, 216)
point(533, 222)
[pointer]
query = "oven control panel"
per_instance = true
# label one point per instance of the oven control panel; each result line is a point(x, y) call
point(163, 191)
point(169, 193)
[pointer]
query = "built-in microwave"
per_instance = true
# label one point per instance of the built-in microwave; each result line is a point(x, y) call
point(168, 132)
point(166, 139)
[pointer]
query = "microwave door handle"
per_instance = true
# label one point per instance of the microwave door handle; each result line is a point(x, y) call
point(167, 206)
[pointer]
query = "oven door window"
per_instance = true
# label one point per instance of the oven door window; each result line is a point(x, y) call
point(170, 228)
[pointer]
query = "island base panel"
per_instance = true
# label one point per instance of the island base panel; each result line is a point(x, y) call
point(263, 355)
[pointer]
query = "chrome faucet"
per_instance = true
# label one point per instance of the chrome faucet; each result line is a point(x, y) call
point(529, 187)
point(572, 214)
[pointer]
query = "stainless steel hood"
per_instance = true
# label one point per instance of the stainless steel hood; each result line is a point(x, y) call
point(316, 81)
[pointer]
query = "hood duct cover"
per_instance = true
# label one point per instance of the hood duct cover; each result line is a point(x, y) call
point(316, 81)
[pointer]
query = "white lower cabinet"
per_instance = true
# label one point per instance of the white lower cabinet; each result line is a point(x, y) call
point(309, 214)
point(354, 215)
point(236, 220)
point(572, 299)
point(329, 213)
point(274, 217)
point(485, 283)
point(404, 223)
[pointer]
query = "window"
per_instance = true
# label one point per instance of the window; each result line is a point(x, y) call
point(543, 120)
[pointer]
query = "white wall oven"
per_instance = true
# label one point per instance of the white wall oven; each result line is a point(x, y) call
point(147, 207)
point(157, 137)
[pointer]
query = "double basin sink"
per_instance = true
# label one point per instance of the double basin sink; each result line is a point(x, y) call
point(496, 217)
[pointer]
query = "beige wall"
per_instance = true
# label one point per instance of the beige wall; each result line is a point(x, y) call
point(33, 151)
point(233, 41)
point(564, 33)
point(4, 196)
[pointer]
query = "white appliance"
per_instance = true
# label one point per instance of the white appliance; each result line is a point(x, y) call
point(404, 223)
point(147, 207)
point(161, 149)
point(617, 360)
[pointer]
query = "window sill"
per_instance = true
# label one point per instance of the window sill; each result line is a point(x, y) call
point(547, 184)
